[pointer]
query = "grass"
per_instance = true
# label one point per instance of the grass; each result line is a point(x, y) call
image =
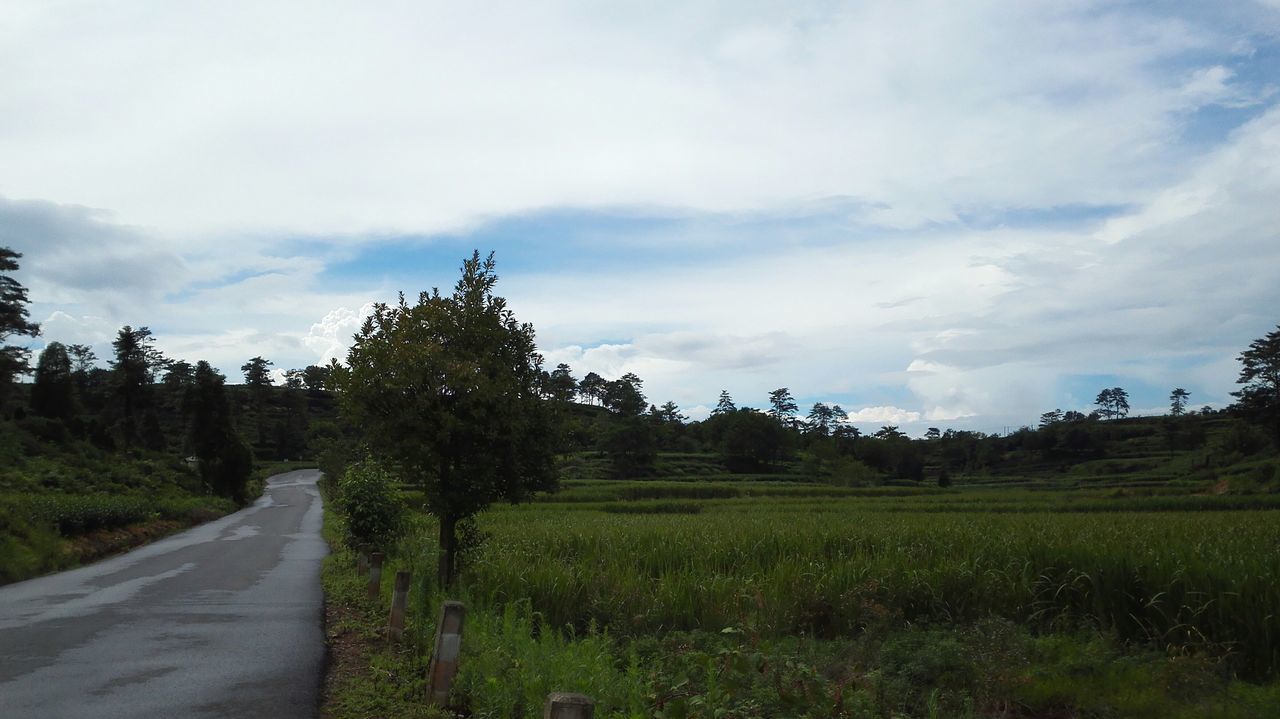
point(701, 598)
point(58, 500)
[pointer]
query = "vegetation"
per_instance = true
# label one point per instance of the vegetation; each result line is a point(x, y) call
point(760, 564)
point(94, 459)
point(762, 601)
point(775, 563)
point(448, 393)
point(371, 506)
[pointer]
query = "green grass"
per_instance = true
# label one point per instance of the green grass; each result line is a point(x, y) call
point(920, 649)
point(1129, 587)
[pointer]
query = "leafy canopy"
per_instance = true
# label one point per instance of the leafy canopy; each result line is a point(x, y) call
point(447, 393)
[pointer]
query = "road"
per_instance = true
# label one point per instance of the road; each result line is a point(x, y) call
point(223, 620)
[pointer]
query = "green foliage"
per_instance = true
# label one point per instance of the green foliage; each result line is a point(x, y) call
point(72, 514)
point(829, 569)
point(1259, 380)
point(631, 445)
point(371, 506)
point(256, 374)
point(225, 461)
point(13, 321)
point(447, 392)
point(28, 548)
point(624, 395)
point(751, 441)
point(745, 609)
point(52, 394)
point(134, 369)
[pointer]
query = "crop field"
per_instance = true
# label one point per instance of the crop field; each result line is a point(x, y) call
point(715, 598)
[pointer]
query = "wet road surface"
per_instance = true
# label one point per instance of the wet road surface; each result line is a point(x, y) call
point(223, 620)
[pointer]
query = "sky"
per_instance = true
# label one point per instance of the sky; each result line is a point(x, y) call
point(935, 214)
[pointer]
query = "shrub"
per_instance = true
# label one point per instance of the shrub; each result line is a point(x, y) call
point(369, 500)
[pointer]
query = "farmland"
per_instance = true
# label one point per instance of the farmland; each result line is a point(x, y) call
point(707, 597)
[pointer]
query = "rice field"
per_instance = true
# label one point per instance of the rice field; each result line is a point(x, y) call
point(1182, 573)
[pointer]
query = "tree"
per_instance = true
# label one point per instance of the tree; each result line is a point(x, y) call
point(134, 368)
point(258, 379)
point(889, 432)
point(783, 406)
point(179, 375)
point(561, 385)
point(1119, 402)
point(256, 373)
point(225, 461)
point(13, 321)
point(293, 379)
point(1103, 400)
point(1178, 401)
point(821, 419)
point(725, 405)
point(932, 433)
point(752, 441)
point(670, 413)
point(53, 394)
point(1259, 394)
point(623, 395)
point(592, 387)
point(1112, 403)
point(315, 377)
point(631, 444)
point(446, 393)
point(1048, 419)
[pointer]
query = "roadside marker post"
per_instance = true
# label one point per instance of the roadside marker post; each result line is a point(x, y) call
point(444, 659)
point(399, 601)
point(362, 560)
point(375, 574)
point(562, 705)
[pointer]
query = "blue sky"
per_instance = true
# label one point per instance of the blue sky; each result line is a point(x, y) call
point(932, 213)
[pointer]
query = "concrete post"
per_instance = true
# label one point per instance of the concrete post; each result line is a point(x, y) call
point(444, 660)
point(561, 705)
point(399, 601)
point(375, 574)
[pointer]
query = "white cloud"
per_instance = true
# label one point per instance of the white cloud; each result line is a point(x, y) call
point(884, 415)
point(331, 336)
point(429, 116)
point(87, 330)
point(215, 139)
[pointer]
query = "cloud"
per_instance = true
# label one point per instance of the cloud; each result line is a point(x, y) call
point(883, 415)
point(947, 211)
point(429, 117)
point(331, 336)
point(86, 329)
point(69, 249)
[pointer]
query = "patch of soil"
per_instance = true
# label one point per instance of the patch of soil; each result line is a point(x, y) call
point(346, 654)
point(106, 542)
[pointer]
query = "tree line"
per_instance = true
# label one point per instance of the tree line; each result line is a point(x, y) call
point(142, 401)
point(450, 393)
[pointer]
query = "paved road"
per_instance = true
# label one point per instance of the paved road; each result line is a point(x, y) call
point(221, 621)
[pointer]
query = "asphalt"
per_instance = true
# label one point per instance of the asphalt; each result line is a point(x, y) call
point(223, 620)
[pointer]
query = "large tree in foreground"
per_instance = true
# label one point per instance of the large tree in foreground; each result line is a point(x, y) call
point(446, 392)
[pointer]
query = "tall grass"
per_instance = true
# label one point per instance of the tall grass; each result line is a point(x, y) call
point(1202, 581)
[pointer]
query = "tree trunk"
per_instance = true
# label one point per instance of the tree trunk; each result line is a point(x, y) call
point(448, 551)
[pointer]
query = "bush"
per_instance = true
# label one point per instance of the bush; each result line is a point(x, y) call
point(369, 500)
